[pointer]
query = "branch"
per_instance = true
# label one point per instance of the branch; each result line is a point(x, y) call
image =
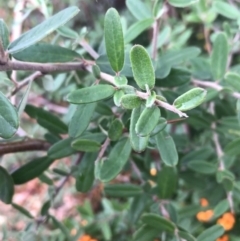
point(213, 85)
point(44, 68)
point(21, 146)
point(25, 82)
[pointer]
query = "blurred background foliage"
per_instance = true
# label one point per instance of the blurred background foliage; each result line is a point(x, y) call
point(198, 197)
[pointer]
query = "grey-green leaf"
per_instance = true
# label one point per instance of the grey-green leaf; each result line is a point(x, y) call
point(233, 79)
point(85, 145)
point(81, 119)
point(42, 30)
point(225, 9)
point(6, 186)
point(4, 34)
point(182, 3)
point(167, 149)
point(142, 67)
point(130, 101)
point(190, 99)
point(138, 143)
point(118, 157)
point(115, 130)
point(90, 94)
point(8, 118)
point(46, 53)
point(145, 232)
point(156, 221)
point(61, 149)
point(219, 56)
point(211, 233)
point(147, 121)
point(139, 9)
point(114, 39)
point(137, 28)
point(203, 167)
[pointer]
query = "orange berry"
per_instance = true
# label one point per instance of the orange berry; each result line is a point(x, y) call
point(223, 238)
point(204, 202)
point(205, 216)
point(227, 221)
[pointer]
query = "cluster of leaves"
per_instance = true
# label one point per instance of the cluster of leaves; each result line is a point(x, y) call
point(128, 125)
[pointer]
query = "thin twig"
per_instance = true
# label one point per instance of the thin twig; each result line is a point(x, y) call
point(89, 49)
point(156, 26)
point(26, 81)
point(213, 85)
point(103, 149)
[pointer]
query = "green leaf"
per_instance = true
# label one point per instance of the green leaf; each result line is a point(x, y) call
point(46, 53)
point(61, 149)
point(8, 118)
point(85, 174)
point(167, 149)
point(118, 157)
point(142, 67)
point(115, 130)
point(238, 111)
point(31, 170)
point(81, 119)
point(122, 190)
point(151, 99)
point(233, 79)
point(145, 232)
point(158, 222)
point(203, 167)
point(186, 236)
point(45, 207)
point(62, 227)
point(147, 121)
point(211, 233)
point(232, 148)
point(85, 145)
point(138, 206)
point(67, 32)
point(6, 186)
point(221, 208)
point(167, 182)
point(24, 100)
point(42, 30)
point(90, 94)
point(172, 58)
point(130, 101)
point(114, 39)
point(22, 210)
point(138, 143)
point(30, 236)
point(51, 122)
point(120, 80)
point(139, 9)
point(219, 56)
point(118, 97)
point(176, 77)
point(190, 99)
point(182, 3)
point(225, 9)
point(4, 34)
point(161, 125)
point(137, 28)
